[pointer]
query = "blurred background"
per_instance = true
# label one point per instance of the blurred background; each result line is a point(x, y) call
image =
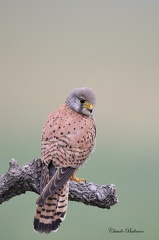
point(47, 48)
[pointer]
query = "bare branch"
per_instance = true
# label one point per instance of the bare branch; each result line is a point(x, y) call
point(18, 180)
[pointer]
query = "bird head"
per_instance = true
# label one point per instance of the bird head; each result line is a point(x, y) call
point(82, 100)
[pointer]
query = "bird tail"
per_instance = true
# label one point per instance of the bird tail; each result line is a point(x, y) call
point(52, 212)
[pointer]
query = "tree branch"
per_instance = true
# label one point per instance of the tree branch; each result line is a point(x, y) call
point(18, 180)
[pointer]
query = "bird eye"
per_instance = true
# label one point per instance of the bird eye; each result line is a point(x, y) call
point(82, 100)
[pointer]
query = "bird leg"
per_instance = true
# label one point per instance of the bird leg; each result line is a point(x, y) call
point(74, 178)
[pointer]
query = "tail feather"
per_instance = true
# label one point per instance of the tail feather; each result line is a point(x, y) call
point(49, 216)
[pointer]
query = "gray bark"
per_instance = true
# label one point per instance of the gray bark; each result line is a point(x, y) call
point(18, 180)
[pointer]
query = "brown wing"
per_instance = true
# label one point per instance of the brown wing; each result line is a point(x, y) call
point(60, 177)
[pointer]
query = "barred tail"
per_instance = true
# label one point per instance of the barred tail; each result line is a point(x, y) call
point(53, 211)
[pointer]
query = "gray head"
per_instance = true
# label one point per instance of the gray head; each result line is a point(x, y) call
point(82, 100)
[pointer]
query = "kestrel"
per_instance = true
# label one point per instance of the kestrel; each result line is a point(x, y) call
point(68, 138)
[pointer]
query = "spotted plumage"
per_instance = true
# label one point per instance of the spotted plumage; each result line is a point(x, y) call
point(68, 138)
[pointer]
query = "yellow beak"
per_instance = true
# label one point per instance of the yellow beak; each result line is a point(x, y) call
point(88, 106)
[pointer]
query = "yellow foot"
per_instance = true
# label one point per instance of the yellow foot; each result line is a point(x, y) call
point(74, 178)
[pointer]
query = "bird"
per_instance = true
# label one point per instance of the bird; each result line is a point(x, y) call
point(68, 139)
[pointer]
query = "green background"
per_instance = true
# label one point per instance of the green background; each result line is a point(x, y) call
point(47, 48)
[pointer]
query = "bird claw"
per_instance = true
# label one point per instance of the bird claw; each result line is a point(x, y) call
point(74, 178)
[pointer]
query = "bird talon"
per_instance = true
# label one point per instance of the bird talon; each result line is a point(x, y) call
point(74, 178)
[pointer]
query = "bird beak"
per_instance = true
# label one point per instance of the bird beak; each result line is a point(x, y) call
point(89, 106)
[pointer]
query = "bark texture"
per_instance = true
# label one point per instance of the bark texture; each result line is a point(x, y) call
point(19, 179)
